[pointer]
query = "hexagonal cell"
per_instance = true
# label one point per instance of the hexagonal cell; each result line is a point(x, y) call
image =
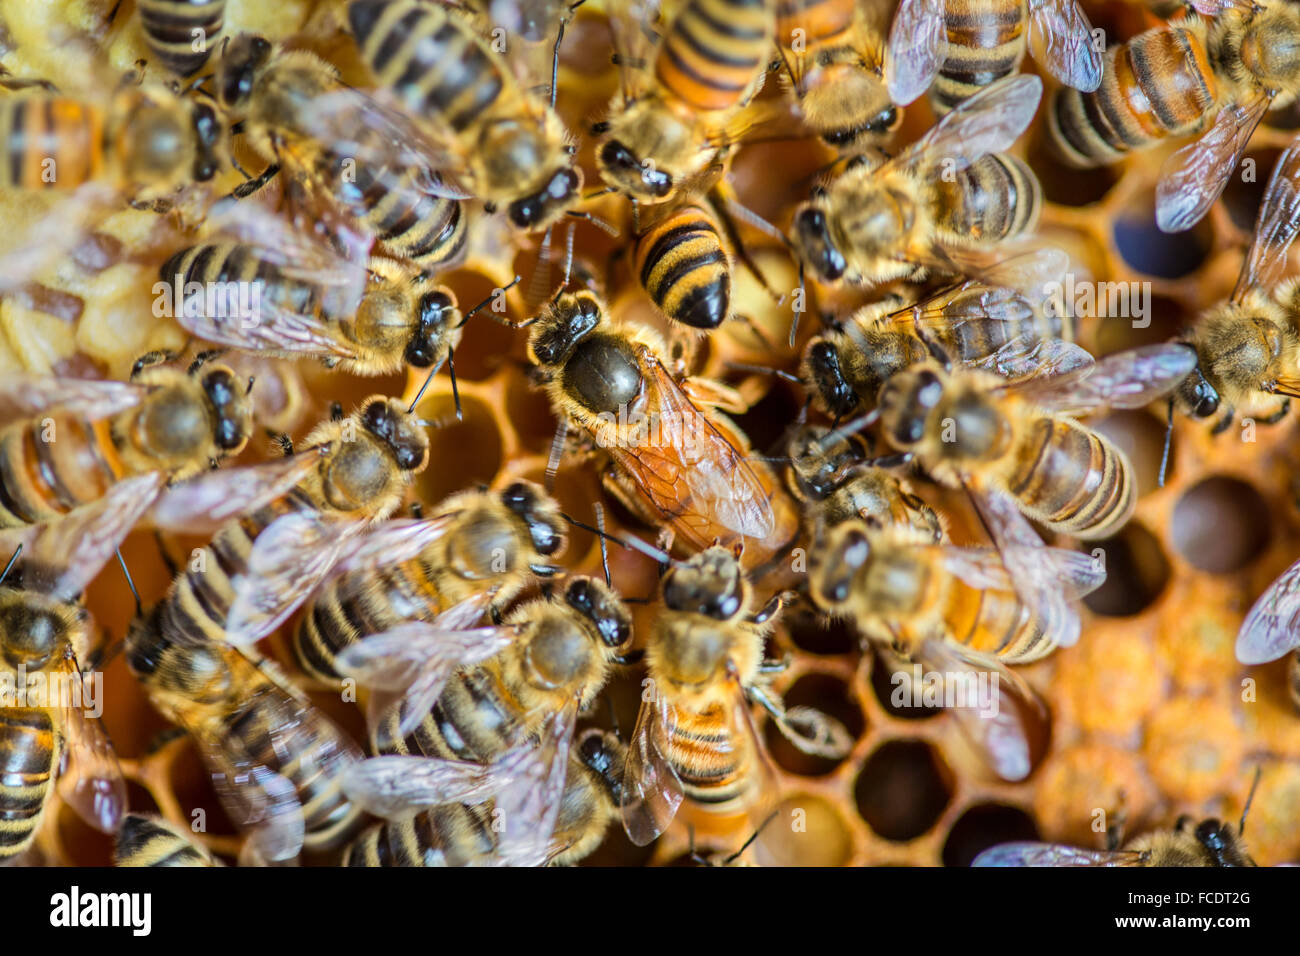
point(1136, 572)
point(1245, 190)
point(811, 632)
point(1163, 320)
point(1221, 525)
point(1151, 252)
point(888, 674)
point(1065, 186)
point(825, 693)
point(528, 410)
point(806, 830)
point(461, 453)
point(903, 789)
point(983, 826)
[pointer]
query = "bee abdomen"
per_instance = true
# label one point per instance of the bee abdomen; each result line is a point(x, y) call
point(823, 22)
point(170, 25)
point(714, 50)
point(50, 142)
point(1158, 84)
point(429, 58)
point(1073, 479)
point(448, 835)
point(712, 770)
point(49, 466)
point(986, 41)
point(996, 197)
point(142, 841)
point(684, 269)
point(28, 760)
point(997, 623)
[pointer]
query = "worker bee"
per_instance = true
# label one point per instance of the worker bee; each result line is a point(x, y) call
point(47, 731)
point(482, 549)
point(990, 324)
point(1215, 78)
point(832, 54)
point(838, 481)
point(671, 460)
point(181, 33)
point(144, 840)
point(938, 205)
point(350, 165)
point(306, 299)
point(962, 47)
point(683, 92)
point(85, 437)
point(1247, 346)
point(481, 124)
point(957, 611)
point(695, 736)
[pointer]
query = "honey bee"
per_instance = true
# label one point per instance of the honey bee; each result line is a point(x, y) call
point(181, 32)
point(832, 54)
point(348, 162)
point(144, 840)
point(956, 610)
point(671, 460)
point(957, 49)
point(1247, 346)
point(85, 437)
point(47, 733)
point(988, 324)
point(683, 92)
point(1190, 843)
point(482, 549)
point(684, 265)
point(482, 123)
point(1214, 78)
point(938, 205)
point(694, 736)
point(839, 481)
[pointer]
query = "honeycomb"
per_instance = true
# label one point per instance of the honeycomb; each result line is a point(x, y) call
point(1150, 715)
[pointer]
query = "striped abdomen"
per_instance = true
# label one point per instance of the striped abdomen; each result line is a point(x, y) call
point(996, 197)
point(474, 719)
point(822, 22)
point(431, 231)
point(714, 767)
point(447, 835)
point(1071, 478)
point(714, 51)
point(683, 267)
point(50, 465)
point(986, 41)
point(430, 58)
point(1158, 84)
point(973, 342)
point(144, 841)
point(352, 607)
point(29, 757)
point(995, 623)
point(50, 142)
point(174, 28)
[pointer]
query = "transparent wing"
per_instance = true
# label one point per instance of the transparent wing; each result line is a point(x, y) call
point(1275, 227)
point(269, 327)
point(1272, 627)
point(529, 805)
point(1075, 573)
point(917, 41)
point(259, 801)
point(1129, 379)
point(652, 791)
point(67, 554)
point(207, 502)
point(394, 787)
point(389, 543)
point(1194, 177)
point(22, 395)
point(1061, 36)
point(91, 782)
point(1053, 854)
point(1026, 357)
point(989, 122)
point(634, 29)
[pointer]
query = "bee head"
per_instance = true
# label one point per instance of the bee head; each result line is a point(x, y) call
point(538, 513)
point(906, 402)
point(711, 583)
point(846, 90)
point(847, 551)
point(1196, 395)
point(209, 134)
point(388, 421)
point(232, 412)
point(640, 179)
point(603, 608)
point(547, 204)
point(819, 474)
point(603, 754)
point(824, 368)
point(237, 70)
point(436, 315)
point(816, 244)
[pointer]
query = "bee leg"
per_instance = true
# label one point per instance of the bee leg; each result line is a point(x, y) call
point(283, 440)
point(169, 562)
point(1115, 830)
point(202, 359)
point(775, 667)
point(336, 412)
point(417, 511)
point(1225, 422)
point(769, 610)
point(246, 189)
point(150, 359)
point(1278, 415)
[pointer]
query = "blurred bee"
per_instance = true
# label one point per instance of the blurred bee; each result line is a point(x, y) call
point(1247, 347)
point(47, 734)
point(694, 736)
point(481, 123)
point(348, 162)
point(85, 437)
point(839, 482)
point(956, 610)
point(144, 840)
point(1214, 78)
point(683, 92)
point(987, 324)
point(672, 461)
point(938, 205)
point(181, 33)
point(832, 54)
point(481, 549)
point(957, 48)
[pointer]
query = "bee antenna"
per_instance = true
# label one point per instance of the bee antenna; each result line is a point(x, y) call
point(794, 323)
point(604, 551)
point(753, 836)
point(455, 389)
point(598, 193)
point(8, 567)
point(606, 227)
point(766, 370)
point(251, 380)
point(1250, 798)
point(631, 543)
point(555, 56)
point(557, 453)
point(420, 394)
point(495, 292)
point(832, 438)
point(139, 607)
point(1169, 437)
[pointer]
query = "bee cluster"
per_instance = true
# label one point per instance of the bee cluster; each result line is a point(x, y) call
point(822, 432)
